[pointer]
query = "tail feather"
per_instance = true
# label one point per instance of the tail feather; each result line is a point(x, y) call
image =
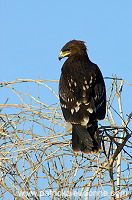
point(85, 139)
point(76, 141)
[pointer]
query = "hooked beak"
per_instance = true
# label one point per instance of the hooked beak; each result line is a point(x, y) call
point(63, 54)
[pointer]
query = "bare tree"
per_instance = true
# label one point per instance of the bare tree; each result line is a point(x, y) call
point(36, 159)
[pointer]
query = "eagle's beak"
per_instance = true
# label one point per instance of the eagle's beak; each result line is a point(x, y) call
point(60, 55)
point(63, 54)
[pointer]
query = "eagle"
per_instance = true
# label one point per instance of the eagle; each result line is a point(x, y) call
point(82, 96)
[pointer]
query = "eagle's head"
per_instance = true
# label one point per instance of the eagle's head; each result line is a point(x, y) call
point(72, 47)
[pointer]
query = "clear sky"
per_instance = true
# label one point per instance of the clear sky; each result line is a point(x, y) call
point(33, 32)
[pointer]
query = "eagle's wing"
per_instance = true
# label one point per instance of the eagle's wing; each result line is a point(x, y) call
point(82, 98)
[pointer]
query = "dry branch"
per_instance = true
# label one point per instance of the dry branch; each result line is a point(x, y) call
point(36, 159)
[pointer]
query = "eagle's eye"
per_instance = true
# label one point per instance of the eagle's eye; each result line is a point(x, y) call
point(68, 49)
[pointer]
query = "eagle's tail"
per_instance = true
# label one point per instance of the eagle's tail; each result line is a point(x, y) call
point(85, 139)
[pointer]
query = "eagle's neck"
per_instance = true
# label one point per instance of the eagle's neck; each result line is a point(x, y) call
point(79, 56)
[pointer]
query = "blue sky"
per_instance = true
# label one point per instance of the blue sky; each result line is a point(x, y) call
point(33, 32)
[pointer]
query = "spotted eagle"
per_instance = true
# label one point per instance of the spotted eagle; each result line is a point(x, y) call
point(82, 96)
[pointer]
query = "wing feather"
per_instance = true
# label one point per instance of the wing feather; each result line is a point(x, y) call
point(82, 94)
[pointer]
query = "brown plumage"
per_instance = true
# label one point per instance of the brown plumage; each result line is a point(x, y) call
point(82, 96)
